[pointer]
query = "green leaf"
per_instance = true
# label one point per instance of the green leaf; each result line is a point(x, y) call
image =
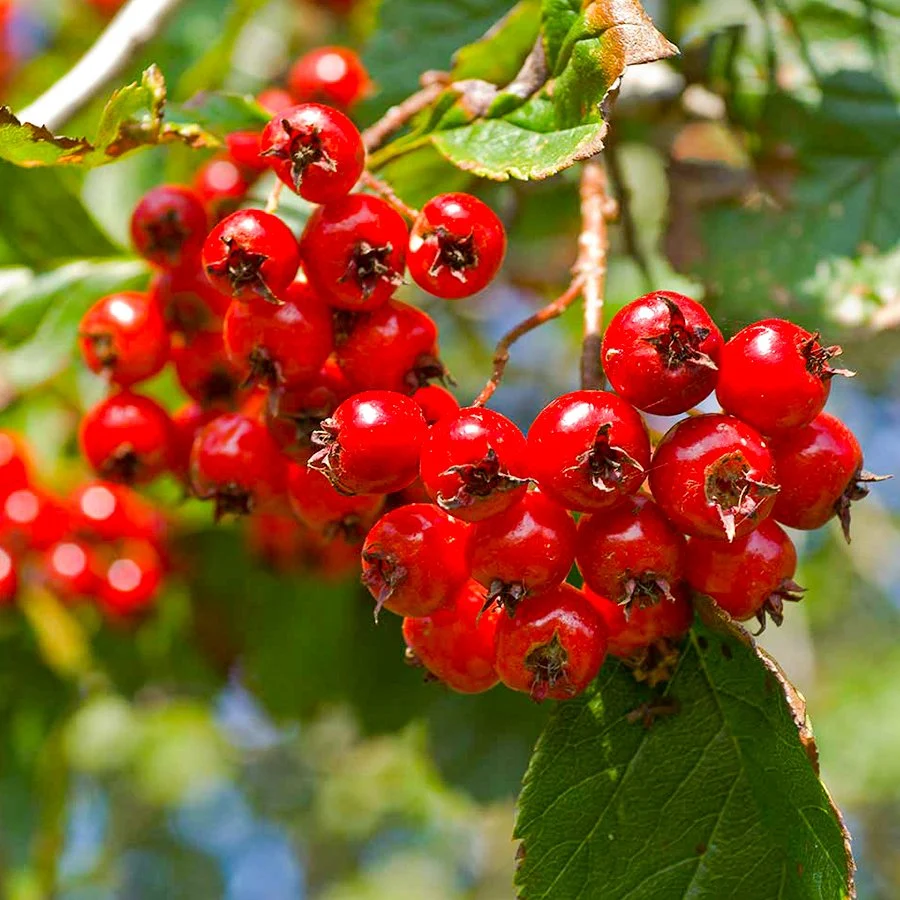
point(719, 798)
point(220, 112)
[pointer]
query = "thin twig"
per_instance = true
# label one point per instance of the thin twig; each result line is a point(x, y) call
point(136, 23)
point(397, 116)
point(274, 197)
point(383, 189)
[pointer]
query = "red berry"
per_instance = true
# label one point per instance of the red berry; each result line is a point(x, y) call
point(15, 466)
point(371, 443)
point(124, 337)
point(127, 438)
point(274, 100)
point(70, 569)
point(456, 246)
point(111, 512)
point(660, 353)
point(235, 463)
point(714, 476)
point(280, 345)
point(415, 560)
point(589, 450)
point(222, 185)
point(189, 303)
point(205, 372)
point(775, 375)
point(9, 581)
point(632, 555)
point(186, 424)
point(169, 225)
point(243, 150)
point(131, 581)
point(474, 465)
point(820, 467)
point(393, 348)
point(554, 645)
point(752, 576)
point(437, 403)
point(456, 642)
point(333, 75)
point(32, 519)
point(251, 254)
point(523, 550)
point(354, 251)
point(315, 150)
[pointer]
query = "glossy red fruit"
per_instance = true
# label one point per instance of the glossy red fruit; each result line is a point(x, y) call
point(632, 554)
point(714, 476)
point(456, 246)
point(436, 402)
point(322, 509)
point(70, 569)
point(243, 150)
point(332, 75)
point(187, 421)
point(235, 463)
point(415, 560)
point(354, 251)
point(130, 582)
point(523, 550)
point(752, 576)
point(589, 450)
point(456, 642)
point(188, 302)
point(553, 647)
point(9, 580)
point(661, 352)
point(474, 465)
point(169, 225)
point(775, 375)
point(251, 254)
point(274, 100)
point(632, 632)
point(221, 184)
point(124, 337)
point(315, 150)
point(371, 443)
point(102, 511)
point(820, 467)
point(127, 438)
point(15, 465)
point(392, 348)
point(205, 372)
point(32, 519)
point(284, 345)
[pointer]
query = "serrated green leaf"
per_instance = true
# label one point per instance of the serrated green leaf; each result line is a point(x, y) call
point(221, 112)
point(720, 798)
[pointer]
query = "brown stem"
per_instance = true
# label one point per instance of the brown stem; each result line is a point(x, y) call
point(274, 197)
point(433, 84)
point(383, 189)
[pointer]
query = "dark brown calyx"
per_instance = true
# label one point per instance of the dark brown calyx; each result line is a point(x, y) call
point(220, 387)
point(303, 149)
point(382, 575)
point(427, 368)
point(327, 459)
point(856, 490)
point(123, 466)
point(344, 322)
point(165, 235)
point(549, 663)
point(368, 264)
point(733, 492)
point(350, 529)
point(262, 369)
point(608, 465)
point(243, 269)
point(655, 664)
point(817, 358)
point(453, 252)
point(505, 594)
point(679, 345)
point(478, 479)
point(773, 607)
point(643, 591)
point(103, 347)
point(233, 499)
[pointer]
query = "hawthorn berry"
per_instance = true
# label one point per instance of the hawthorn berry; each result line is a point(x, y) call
point(631, 554)
point(820, 466)
point(9, 581)
point(70, 569)
point(661, 352)
point(110, 512)
point(714, 476)
point(775, 375)
point(354, 251)
point(274, 100)
point(553, 647)
point(244, 151)
point(15, 465)
point(124, 337)
point(523, 550)
point(187, 421)
point(188, 302)
point(221, 184)
point(589, 450)
point(456, 246)
point(205, 372)
point(415, 560)
point(437, 403)
point(251, 254)
point(371, 444)
point(315, 150)
point(32, 519)
point(236, 464)
point(456, 643)
point(130, 582)
point(332, 75)
point(169, 225)
point(474, 465)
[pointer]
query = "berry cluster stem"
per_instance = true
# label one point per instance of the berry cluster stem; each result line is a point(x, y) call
point(384, 190)
point(433, 84)
point(274, 198)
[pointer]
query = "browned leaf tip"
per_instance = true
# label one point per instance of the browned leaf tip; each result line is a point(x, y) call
point(629, 31)
point(14, 133)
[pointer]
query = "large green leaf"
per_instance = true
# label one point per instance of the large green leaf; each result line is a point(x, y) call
point(718, 798)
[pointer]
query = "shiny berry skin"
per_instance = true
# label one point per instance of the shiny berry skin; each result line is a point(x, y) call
point(474, 465)
point(222, 185)
point(820, 467)
point(188, 302)
point(70, 569)
point(274, 100)
point(280, 345)
point(456, 246)
point(775, 375)
point(315, 150)
point(32, 519)
point(371, 443)
point(124, 337)
point(415, 560)
point(630, 635)
point(392, 348)
point(332, 75)
point(631, 554)
point(251, 254)
point(102, 511)
point(127, 438)
point(187, 421)
point(9, 580)
point(589, 450)
point(456, 643)
point(204, 371)
point(15, 465)
point(130, 582)
point(523, 550)
point(661, 351)
point(714, 476)
point(243, 150)
point(437, 403)
point(169, 225)
point(321, 508)
point(751, 576)
point(554, 645)
point(354, 251)
point(235, 463)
